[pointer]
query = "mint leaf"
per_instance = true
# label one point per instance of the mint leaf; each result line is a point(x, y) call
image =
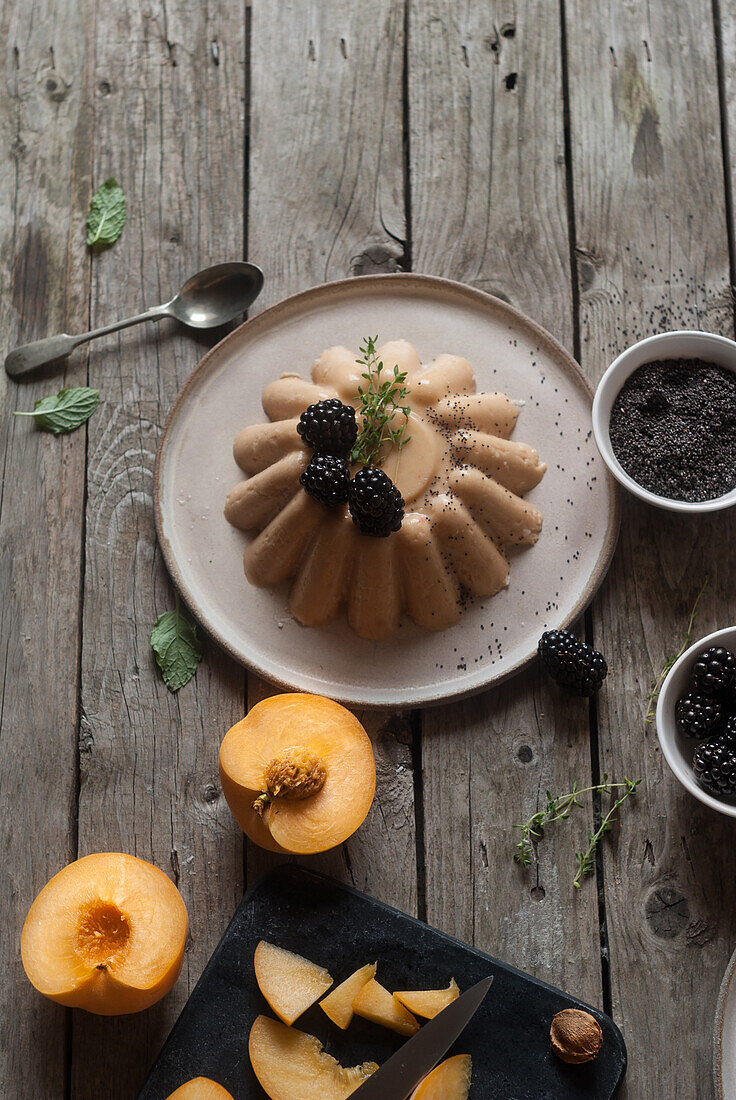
point(107, 215)
point(176, 645)
point(69, 409)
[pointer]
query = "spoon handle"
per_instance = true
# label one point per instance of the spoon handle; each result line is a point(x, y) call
point(29, 356)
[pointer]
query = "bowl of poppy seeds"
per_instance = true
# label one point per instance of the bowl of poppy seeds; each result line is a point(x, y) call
point(664, 419)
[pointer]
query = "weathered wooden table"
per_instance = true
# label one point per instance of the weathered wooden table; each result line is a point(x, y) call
point(571, 157)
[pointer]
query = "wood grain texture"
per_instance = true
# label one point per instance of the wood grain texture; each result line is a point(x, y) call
point(726, 30)
point(44, 282)
point(326, 201)
point(169, 124)
point(653, 254)
point(488, 207)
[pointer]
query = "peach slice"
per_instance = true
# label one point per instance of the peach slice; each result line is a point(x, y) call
point(428, 1002)
point(378, 1005)
point(107, 934)
point(200, 1088)
point(298, 773)
point(450, 1081)
point(291, 1065)
point(289, 983)
point(339, 1004)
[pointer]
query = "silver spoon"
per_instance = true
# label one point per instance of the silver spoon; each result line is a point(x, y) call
point(208, 299)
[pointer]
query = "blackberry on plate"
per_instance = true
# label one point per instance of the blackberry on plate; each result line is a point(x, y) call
point(714, 671)
point(573, 664)
point(698, 716)
point(376, 505)
point(327, 478)
point(329, 427)
point(714, 764)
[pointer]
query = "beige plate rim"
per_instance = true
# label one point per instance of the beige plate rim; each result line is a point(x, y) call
point(724, 994)
point(303, 299)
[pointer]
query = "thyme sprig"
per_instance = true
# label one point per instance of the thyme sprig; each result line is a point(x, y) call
point(559, 808)
point(659, 680)
point(586, 859)
point(380, 405)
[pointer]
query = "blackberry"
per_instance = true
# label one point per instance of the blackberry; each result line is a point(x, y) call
point(574, 665)
point(714, 671)
point(714, 764)
point(376, 505)
point(327, 478)
point(698, 716)
point(329, 427)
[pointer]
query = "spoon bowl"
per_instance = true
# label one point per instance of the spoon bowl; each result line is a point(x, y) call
point(216, 295)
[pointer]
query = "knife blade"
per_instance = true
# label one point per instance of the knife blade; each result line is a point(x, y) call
point(412, 1062)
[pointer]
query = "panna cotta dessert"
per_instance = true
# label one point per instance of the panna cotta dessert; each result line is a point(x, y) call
point(383, 488)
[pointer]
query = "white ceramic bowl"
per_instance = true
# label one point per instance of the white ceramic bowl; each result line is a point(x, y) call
point(678, 750)
point(685, 344)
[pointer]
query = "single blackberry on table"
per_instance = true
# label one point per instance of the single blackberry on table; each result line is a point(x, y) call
point(327, 478)
point(329, 427)
point(714, 671)
point(376, 505)
point(572, 664)
point(698, 716)
point(714, 764)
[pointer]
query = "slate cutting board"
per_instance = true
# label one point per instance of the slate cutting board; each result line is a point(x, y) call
point(342, 929)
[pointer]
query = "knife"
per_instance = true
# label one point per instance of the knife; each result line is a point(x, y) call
point(412, 1062)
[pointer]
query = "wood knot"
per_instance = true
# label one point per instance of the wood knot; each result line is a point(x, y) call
point(378, 259)
point(667, 912)
point(525, 754)
point(210, 793)
point(54, 86)
point(587, 267)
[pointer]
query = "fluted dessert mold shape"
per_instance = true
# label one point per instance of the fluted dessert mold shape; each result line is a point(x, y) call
point(461, 476)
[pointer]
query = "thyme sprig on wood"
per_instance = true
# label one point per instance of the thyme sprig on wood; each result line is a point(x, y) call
point(559, 808)
point(380, 406)
point(586, 859)
point(659, 680)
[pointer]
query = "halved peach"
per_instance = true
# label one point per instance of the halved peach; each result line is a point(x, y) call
point(200, 1088)
point(339, 1004)
point(428, 1002)
point(298, 773)
point(378, 1005)
point(291, 1065)
point(289, 983)
point(450, 1081)
point(107, 934)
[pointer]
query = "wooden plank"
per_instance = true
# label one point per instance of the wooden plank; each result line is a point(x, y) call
point(489, 208)
point(44, 284)
point(653, 254)
point(169, 124)
point(327, 201)
point(726, 31)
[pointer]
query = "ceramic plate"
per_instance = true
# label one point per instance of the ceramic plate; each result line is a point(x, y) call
point(724, 1038)
point(550, 583)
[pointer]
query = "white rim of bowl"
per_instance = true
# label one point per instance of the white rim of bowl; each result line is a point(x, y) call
point(670, 756)
point(602, 437)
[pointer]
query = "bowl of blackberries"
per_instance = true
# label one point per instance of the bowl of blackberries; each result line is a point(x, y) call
point(664, 420)
point(696, 720)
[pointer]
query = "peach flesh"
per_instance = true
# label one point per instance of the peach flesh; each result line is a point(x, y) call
point(106, 934)
point(200, 1088)
point(287, 730)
